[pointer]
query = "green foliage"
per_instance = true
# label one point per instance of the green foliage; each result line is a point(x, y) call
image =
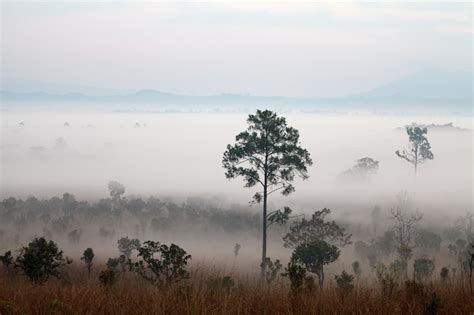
point(297, 275)
point(161, 265)
point(126, 245)
point(316, 229)
point(279, 217)
point(88, 257)
point(113, 263)
point(272, 269)
point(267, 153)
point(40, 260)
point(345, 282)
point(423, 268)
point(314, 256)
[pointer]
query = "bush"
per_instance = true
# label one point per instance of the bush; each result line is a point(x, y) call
point(40, 260)
point(344, 282)
point(108, 277)
point(167, 268)
point(297, 275)
point(7, 260)
point(272, 269)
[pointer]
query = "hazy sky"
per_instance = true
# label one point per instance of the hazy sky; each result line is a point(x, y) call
point(296, 49)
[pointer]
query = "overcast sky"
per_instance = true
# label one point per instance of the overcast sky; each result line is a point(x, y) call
point(263, 49)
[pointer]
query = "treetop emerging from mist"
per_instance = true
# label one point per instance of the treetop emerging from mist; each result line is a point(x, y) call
point(419, 149)
point(267, 153)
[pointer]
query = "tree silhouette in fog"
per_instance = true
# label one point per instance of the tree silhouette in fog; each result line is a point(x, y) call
point(419, 148)
point(267, 154)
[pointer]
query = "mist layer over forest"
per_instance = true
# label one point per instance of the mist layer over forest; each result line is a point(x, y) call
point(45, 153)
point(178, 157)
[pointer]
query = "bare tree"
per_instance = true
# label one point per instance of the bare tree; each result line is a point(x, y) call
point(404, 229)
point(404, 226)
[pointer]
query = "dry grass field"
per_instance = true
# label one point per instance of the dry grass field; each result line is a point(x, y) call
point(81, 294)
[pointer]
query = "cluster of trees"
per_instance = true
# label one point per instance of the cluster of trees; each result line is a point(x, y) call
point(67, 217)
point(269, 155)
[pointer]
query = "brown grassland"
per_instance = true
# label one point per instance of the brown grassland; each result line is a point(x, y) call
point(81, 294)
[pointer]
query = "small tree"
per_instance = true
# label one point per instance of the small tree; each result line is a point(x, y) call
point(167, 268)
point(7, 260)
point(116, 190)
point(236, 249)
point(88, 257)
point(126, 245)
point(40, 260)
point(419, 149)
point(423, 269)
point(344, 282)
point(267, 154)
point(444, 274)
point(314, 256)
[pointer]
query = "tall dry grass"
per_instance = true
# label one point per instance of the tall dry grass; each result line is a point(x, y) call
point(80, 294)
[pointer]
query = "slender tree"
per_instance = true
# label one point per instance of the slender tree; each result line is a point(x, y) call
point(267, 154)
point(88, 257)
point(419, 149)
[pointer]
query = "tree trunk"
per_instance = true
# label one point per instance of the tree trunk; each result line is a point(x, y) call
point(264, 227)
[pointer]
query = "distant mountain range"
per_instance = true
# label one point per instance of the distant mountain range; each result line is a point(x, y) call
point(425, 90)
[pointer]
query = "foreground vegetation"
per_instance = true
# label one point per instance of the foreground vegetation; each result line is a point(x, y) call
point(206, 292)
